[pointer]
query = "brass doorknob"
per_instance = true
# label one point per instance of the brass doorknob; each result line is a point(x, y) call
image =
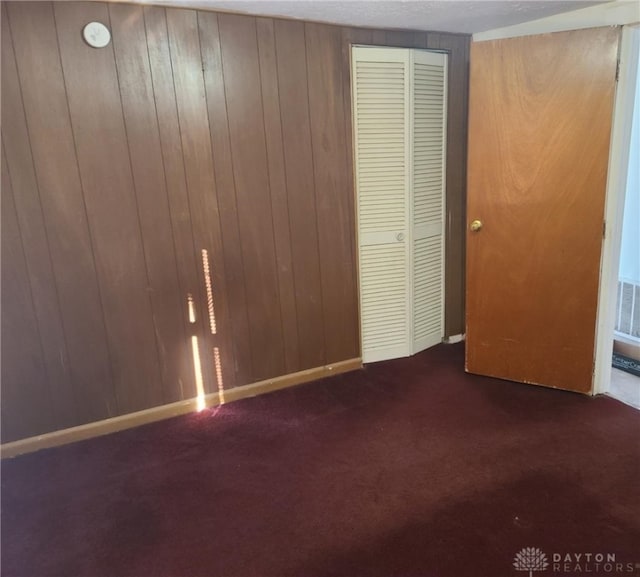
point(475, 226)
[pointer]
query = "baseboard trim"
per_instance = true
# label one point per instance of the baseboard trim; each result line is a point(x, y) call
point(454, 339)
point(107, 426)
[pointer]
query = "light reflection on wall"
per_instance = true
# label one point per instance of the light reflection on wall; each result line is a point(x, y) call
point(209, 286)
point(218, 364)
point(192, 309)
point(195, 351)
point(195, 346)
point(197, 366)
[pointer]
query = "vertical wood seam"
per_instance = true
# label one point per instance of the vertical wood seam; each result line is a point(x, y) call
point(114, 391)
point(52, 417)
point(347, 112)
point(199, 282)
point(51, 292)
point(134, 190)
point(197, 259)
point(315, 198)
point(233, 178)
point(273, 226)
point(45, 232)
point(286, 185)
point(183, 309)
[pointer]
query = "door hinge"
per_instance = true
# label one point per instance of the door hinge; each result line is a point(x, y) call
point(604, 229)
point(617, 70)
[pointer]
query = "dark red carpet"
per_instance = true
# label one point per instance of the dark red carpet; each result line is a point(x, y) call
point(407, 468)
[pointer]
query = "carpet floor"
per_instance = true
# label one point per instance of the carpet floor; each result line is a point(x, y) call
point(407, 468)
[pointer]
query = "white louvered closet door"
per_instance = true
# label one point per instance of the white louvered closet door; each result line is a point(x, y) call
point(429, 97)
point(381, 101)
point(399, 109)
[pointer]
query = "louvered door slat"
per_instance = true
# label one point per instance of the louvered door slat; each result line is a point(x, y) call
point(381, 114)
point(399, 100)
point(428, 161)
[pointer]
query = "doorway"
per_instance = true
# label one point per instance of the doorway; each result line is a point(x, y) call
point(625, 372)
point(399, 104)
point(620, 271)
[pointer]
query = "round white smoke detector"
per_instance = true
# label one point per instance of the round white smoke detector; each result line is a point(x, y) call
point(96, 34)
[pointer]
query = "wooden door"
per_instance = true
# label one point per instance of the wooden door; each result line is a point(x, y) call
point(539, 128)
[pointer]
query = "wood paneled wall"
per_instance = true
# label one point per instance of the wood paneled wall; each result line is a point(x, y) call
point(195, 146)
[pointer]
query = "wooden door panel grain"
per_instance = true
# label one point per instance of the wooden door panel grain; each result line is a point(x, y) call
point(59, 193)
point(105, 170)
point(296, 133)
point(539, 130)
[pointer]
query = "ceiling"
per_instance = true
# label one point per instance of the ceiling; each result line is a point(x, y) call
point(468, 16)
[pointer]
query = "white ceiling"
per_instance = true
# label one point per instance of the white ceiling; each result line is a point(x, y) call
point(468, 16)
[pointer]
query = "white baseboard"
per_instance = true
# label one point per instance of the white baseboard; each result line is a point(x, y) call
point(454, 339)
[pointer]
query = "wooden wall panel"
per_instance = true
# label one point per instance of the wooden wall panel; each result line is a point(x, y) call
point(402, 38)
point(379, 37)
point(350, 37)
point(278, 186)
point(34, 238)
point(240, 62)
point(420, 40)
point(186, 61)
point(226, 191)
point(136, 90)
point(26, 409)
point(333, 191)
point(105, 170)
point(187, 259)
point(61, 198)
point(296, 134)
point(193, 134)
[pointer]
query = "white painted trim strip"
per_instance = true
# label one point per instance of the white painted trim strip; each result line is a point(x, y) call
point(617, 13)
point(614, 206)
